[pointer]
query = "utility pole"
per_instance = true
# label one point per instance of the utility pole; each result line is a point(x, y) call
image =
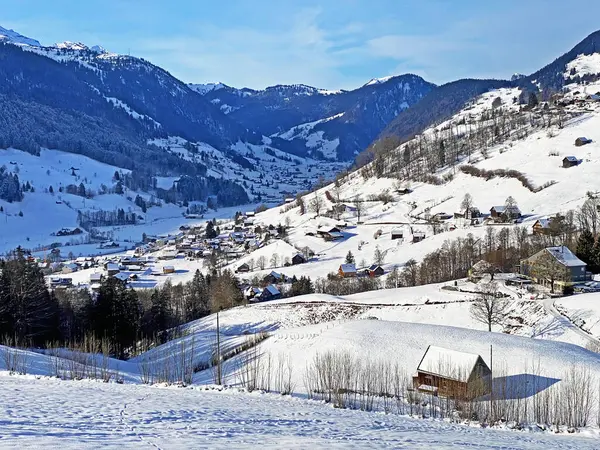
point(219, 381)
point(491, 382)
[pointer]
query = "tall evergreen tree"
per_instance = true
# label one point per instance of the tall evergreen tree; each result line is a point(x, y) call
point(585, 249)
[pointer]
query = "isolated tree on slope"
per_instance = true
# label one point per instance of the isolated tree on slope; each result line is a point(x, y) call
point(358, 206)
point(489, 308)
point(467, 203)
point(378, 256)
point(350, 258)
point(315, 204)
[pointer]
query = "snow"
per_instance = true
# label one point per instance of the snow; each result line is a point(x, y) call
point(101, 415)
point(313, 139)
point(68, 45)
point(584, 65)
point(206, 87)
point(16, 38)
point(373, 81)
point(120, 104)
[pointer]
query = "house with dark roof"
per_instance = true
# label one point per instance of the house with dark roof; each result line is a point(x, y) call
point(298, 258)
point(270, 292)
point(504, 213)
point(582, 141)
point(570, 161)
point(450, 373)
point(375, 270)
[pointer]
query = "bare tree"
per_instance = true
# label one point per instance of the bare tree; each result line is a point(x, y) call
point(358, 206)
point(467, 203)
point(274, 260)
point(262, 262)
point(378, 256)
point(316, 204)
point(490, 306)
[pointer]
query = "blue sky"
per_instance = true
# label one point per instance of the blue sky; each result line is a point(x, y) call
point(329, 43)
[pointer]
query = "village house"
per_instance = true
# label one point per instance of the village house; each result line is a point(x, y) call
point(374, 271)
point(555, 265)
point(274, 277)
point(347, 270)
point(270, 292)
point(504, 213)
point(122, 276)
point(112, 269)
point(582, 141)
point(546, 226)
point(70, 268)
point(298, 258)
point(252, 292)
point(168, 269)
point(570, 161)
point(450, 373)
point(468, 213)
point(330, 233)
point(244, 268)
point(96, 277)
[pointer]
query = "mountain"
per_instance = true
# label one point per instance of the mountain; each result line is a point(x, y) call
point(305, 120)
point(16, 38)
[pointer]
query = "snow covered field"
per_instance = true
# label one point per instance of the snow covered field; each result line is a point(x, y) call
point(49, 413)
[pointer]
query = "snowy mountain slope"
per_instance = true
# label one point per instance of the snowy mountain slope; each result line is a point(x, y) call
point(17, 38)
point(277, 109)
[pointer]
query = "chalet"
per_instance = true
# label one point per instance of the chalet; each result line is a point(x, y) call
point(453, 374)
point(504, 213)
point(582, 141)
point(168, 269)
point(442, 216)
point(112, 269)
point(468, 213)
point(70, 268)
point(542, 226)
point(347, 270)
point(298, 258)
point(555, 265)
point(96, 277)
point(375, 271)
point(418, 236)
point(570, 161)
point(397, 233)
point(330, 233)
point(288, 200)
point(109, 244)
point(270, 293)
point(244, 268)
point(274, 277)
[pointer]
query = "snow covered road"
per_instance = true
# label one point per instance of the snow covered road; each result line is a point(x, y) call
point(49, 413)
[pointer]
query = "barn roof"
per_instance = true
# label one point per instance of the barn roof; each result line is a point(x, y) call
point(272, 290)
point(447, 363)
point(571, 158)
point(348, 268)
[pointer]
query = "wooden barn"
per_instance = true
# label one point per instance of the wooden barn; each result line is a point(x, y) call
point(453, 374)
point(582, 141)
point(570, 161)
point(298, 258)
point(347, 270)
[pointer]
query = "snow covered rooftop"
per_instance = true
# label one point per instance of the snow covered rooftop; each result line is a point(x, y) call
point(565, 256)
point(348, 268)
point(272, 290)
point(448, 363)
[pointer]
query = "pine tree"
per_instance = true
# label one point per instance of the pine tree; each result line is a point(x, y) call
point(349, 258)
point(585, 249)
point(595, 257)
point(378, 256)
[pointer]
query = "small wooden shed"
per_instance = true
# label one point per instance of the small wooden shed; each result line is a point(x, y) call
point(570, 161)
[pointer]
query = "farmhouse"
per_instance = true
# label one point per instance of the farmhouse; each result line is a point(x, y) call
point(504, 213)
point(347, 270)
point(569, 161)
point(274, 277)
point(168, 269)
point(96, 277)
point(468, 213)
point(112, 269)
point(450, 373)
point(555, 265)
